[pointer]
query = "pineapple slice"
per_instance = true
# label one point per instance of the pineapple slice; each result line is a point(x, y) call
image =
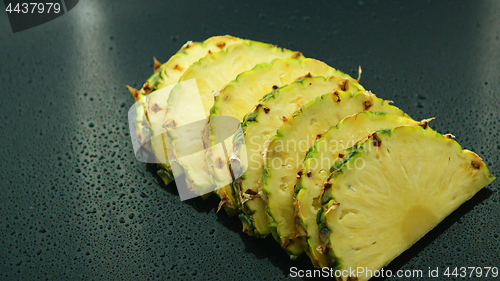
point(393, 189)
point(151, 106)
point(259, 126)
point(240, 96)
point(322, 156)
point(287, 149)
point(210, 73)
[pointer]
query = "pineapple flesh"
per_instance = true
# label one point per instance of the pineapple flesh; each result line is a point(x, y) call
point(259, 126)
point(391, 190)
point(210, 73)
point(316, 168)
point(287, 149)
point(240, 96)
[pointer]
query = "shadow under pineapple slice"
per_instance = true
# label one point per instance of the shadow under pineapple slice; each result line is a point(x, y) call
point(258, 126)
point(287, 149)
point(318, 162)
point(391, 190)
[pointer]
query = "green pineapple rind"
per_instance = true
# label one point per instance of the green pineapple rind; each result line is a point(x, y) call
point(301, 227)
point(265, 173)
point(245, 214)
point(165, 173)
point(327, 201)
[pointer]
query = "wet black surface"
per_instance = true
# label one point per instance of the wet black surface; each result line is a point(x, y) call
point(77, 205)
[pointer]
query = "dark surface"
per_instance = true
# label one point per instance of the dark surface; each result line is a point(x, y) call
point(77, 205)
